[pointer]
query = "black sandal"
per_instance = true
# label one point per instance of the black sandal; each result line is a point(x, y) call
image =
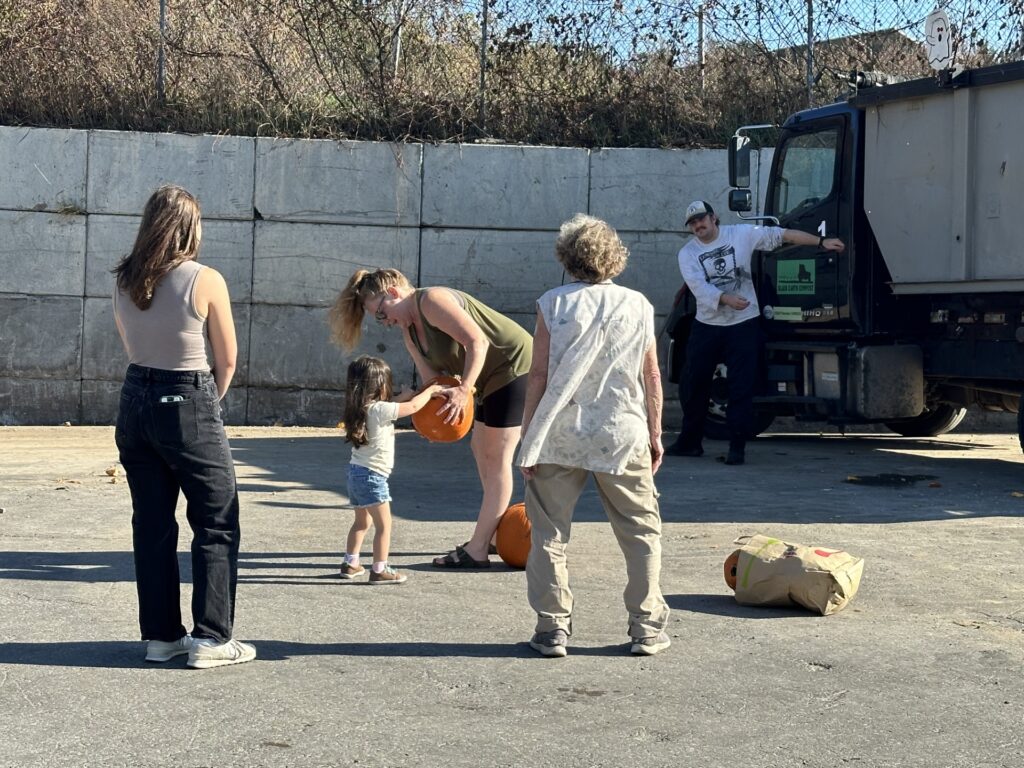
point(460, 558)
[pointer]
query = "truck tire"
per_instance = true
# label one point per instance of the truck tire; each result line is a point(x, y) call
point(716, 426)
point(1020, 422)
point(937, 420)
point(717, 429)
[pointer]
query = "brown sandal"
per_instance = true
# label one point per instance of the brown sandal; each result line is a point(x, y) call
point(460, 558)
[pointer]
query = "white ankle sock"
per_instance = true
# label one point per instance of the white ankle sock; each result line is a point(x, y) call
point(379, 567)
point(352, 560)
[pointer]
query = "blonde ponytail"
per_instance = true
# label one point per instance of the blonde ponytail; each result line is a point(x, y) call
point(346, 315)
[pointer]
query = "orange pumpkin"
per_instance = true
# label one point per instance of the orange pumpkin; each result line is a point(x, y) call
point(513, 537)
point(732, 562)
point(431, 426)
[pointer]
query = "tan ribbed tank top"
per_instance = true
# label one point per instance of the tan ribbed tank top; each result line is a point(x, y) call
point(170, 335)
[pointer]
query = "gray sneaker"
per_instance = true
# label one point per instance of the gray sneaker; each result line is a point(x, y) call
point(551, 643)
point(648, 646)
point(207, 653)
point(163, 650)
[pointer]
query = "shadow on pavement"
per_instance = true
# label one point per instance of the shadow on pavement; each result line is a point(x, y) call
point(726, 605)
point(842, 479)
point(105, 653)
point(253, 567)
point(94, 567)
point(278, 650)
point(97, 567)
point(431, 481)
point(788, 478)
point(129, 655)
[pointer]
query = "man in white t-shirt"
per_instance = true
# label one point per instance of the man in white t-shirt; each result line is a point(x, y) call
point(716, 267)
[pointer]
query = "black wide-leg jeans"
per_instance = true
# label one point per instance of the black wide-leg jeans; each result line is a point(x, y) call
point(738, 346)
point(171, 438)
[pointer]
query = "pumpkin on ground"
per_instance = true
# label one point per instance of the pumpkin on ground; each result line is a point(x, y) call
point(731, 564)
point(513, 536)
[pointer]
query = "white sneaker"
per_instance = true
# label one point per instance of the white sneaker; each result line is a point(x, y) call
point(206, 653)
point(648, 646)
point(162, 650)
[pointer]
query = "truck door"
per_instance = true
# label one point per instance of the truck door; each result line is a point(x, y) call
point(803, 288)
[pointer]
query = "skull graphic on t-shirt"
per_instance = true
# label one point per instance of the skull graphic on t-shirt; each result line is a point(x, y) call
point(720, 269)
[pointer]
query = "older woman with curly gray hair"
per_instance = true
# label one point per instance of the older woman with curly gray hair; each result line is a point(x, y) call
point(593, 407)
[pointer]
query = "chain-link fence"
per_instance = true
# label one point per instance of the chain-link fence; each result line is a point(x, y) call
point(579, 72)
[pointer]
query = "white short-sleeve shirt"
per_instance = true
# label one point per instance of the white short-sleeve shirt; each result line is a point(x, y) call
point(723, 266)
point(593, 414)
point(379, 453)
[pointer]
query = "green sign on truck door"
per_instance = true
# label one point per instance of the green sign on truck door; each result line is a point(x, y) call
point(795, 276)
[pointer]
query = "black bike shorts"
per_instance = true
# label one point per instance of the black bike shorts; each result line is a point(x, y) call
point(503, 408)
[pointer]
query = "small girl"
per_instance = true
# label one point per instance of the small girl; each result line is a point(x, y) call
point(370, 415)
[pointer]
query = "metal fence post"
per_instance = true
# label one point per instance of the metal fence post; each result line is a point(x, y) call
point(396, 39)
point(160, 53)
point(482, 114)
point(810, 53)
point(700, 47)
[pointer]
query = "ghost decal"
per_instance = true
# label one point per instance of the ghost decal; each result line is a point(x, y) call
point(937, 33)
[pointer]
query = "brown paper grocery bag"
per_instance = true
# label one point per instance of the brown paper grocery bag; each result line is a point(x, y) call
point(775, 572)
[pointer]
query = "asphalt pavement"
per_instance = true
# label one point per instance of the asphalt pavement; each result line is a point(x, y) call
point(923, 668)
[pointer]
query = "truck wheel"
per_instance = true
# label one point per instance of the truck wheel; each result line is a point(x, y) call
point(715, 425)
point(676, 358)
point(936, 420)
point(1020, 422)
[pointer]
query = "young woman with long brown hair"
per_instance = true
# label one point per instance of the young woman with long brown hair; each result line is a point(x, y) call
point(170, 435)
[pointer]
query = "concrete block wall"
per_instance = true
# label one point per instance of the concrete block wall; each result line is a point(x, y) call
point(287, 222)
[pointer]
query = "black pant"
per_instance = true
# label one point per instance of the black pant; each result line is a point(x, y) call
point(738, 347)
point(170, 437)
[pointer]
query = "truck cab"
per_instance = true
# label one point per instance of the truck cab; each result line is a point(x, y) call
point(826, 358)
point(804, 291)
point(923, 313)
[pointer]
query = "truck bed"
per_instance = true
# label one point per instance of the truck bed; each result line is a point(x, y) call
point(944, 180)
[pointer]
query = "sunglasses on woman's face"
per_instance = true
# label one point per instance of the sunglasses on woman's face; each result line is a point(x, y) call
point(378, 314)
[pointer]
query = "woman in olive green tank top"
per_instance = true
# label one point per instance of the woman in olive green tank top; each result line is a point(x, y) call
point(448, 332)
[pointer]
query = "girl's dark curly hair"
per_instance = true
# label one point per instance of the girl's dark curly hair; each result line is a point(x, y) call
point(369, 380)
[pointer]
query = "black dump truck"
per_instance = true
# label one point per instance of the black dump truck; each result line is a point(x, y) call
point(923, 315)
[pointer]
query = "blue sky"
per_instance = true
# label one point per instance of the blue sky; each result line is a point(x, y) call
point(626, 27)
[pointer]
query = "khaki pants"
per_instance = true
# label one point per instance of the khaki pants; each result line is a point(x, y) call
point(632, 509)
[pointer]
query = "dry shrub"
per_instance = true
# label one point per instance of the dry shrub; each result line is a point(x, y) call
point(58, 68)
point(410, 70)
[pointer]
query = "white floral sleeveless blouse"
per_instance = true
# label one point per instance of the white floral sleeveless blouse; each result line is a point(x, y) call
point(593, 414)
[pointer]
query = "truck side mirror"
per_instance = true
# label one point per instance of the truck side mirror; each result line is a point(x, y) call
point(739, 200)
point(739, 161)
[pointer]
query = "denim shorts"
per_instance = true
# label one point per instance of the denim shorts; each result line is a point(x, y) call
point(367, 488)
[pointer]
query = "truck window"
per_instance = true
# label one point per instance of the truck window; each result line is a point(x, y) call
point(806, 171)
